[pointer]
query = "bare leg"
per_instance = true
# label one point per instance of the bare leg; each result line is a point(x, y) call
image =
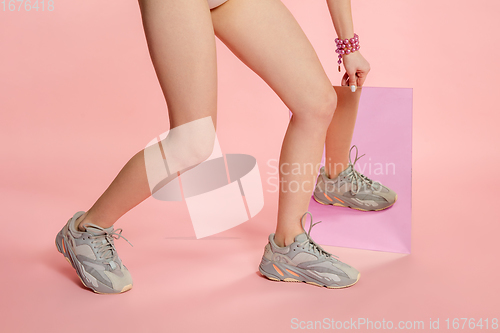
point(340, 131)
point(267, 38)
point(181, 43)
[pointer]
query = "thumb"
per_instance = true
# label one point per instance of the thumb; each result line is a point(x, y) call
point(352, 81)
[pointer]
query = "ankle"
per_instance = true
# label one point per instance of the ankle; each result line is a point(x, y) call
point(284, 240)
point(79, 222)
point(332, 176)
point(333, 173)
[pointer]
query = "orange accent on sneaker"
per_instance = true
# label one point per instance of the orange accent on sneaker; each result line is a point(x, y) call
point(339, 199)
point(64, 247)
point(291, 272)
point(326, 195)
point(277, 270)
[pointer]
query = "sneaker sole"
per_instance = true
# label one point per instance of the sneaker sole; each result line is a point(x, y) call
point(308, 282)
point(357, 208)
point(61, 250)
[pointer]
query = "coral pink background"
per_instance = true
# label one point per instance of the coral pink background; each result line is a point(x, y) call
point(79, 97)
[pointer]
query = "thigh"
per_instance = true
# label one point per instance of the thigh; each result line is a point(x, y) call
point(181, 43)
point(267, 38)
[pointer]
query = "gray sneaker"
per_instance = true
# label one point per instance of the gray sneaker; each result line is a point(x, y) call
point(353, 189)
point(305, 261)
point(93, 255)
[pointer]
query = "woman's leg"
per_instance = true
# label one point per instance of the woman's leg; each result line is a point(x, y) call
point(340, 131)
point(267, 38)
point(181, 43)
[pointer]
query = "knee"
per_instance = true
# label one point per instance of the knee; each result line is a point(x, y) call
point(325, 106)
point(200, 149)
point(184, 151)
point(320, 108)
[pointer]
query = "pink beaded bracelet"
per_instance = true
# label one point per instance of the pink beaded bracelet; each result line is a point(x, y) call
point(346, 46)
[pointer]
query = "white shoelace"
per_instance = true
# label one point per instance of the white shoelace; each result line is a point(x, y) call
point(311, 245)
point(357, 178)
point(104, 243)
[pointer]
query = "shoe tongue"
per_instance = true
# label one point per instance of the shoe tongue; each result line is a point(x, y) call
point(300, 238)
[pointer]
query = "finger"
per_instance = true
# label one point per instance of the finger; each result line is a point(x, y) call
point(361, 79)
point(352, 81)
point(344, 80)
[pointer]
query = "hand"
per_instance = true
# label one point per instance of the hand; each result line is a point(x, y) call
point(356, 68)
